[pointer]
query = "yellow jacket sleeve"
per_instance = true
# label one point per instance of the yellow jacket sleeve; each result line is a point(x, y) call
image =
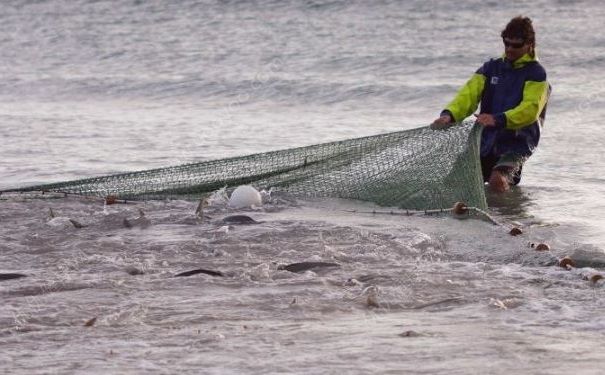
point(535, 96)
point(467, 99)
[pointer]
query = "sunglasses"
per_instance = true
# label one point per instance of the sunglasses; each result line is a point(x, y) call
point(513, 45)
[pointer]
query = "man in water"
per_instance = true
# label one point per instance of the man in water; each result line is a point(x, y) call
point(513, 92)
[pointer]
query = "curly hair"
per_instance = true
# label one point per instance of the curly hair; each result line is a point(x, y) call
point(520, 28)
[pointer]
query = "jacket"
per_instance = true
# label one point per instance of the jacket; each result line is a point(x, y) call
point(515, 94)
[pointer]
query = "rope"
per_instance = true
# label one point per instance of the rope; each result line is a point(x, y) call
point(458, 215)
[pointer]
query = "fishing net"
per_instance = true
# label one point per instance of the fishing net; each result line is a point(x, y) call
point(414, 169)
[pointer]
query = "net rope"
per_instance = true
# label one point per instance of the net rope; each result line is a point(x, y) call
point(418, 169)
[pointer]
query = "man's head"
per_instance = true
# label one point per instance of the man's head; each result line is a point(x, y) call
point(519, 38)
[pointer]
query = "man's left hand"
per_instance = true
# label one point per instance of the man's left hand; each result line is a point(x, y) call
point(487, 120)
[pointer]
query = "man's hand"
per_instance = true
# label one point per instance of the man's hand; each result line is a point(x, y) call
point(442, 122)
point(486, 120)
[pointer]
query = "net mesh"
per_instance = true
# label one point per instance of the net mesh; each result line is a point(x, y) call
point(412, 169)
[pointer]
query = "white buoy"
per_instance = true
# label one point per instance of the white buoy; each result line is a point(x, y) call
point(245, 196)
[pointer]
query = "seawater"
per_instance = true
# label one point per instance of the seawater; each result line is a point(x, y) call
point(96, 87)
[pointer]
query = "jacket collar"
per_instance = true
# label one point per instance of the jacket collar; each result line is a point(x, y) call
point(522, 61)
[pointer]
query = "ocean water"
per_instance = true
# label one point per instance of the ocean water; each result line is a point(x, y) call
point(96, 87)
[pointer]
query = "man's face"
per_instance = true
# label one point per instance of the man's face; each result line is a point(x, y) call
point(515, 48)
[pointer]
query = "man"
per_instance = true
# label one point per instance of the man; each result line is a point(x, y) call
point(513, 92)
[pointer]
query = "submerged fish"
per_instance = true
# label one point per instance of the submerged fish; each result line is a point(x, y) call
point(77, 224)
point(142, 221)
point(240, 219)
point(11, 276)
point(60, 221)
point(200, 270)
point(305, 266)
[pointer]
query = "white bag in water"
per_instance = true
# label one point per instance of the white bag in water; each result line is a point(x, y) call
point(245, 196)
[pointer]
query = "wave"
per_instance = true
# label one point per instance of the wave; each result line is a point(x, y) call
point(237, 92)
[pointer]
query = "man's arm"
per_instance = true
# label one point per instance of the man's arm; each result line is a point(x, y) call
point(535, 96)
point(467, 99)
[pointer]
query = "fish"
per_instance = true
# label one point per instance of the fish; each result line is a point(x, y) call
point(240, 219)
point(141, 221)
point(77, 224)
point(199, 211)
point(11, 276)
point(90, 322)
point(134, 271)
point(59, 221)
point(305, 266)
point(199, 270)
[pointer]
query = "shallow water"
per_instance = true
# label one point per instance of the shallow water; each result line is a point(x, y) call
point(92, 88)
point(408, 293)
point(147, 84)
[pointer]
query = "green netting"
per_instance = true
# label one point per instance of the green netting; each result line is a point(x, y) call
point(412, 169)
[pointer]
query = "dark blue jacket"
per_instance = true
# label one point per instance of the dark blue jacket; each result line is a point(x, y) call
point(516, 94)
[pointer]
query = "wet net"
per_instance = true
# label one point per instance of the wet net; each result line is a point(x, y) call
point(415, 169)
